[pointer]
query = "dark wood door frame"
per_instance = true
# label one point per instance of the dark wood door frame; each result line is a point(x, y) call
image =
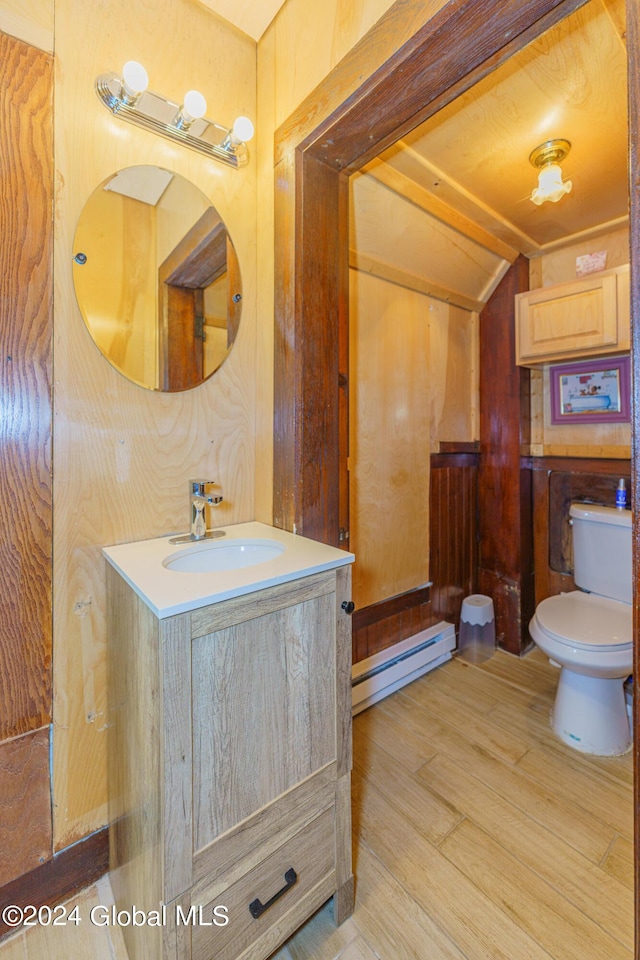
point(382, 89)
point(345, 122)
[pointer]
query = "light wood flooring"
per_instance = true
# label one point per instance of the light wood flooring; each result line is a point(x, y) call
point(478, 834)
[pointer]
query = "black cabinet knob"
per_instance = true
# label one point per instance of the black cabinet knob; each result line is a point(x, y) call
point(348, 606)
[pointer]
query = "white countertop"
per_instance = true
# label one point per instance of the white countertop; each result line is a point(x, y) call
point(168, 592)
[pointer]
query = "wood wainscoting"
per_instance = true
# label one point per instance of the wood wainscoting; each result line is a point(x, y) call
point(453, 521)
point(380, 625)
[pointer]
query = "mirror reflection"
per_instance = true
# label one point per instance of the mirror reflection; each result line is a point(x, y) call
point(157, 278)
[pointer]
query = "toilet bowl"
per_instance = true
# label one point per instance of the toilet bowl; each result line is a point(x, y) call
point(589, 634)
point(589, 637)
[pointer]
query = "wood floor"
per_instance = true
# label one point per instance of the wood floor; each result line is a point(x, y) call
point(478, 834)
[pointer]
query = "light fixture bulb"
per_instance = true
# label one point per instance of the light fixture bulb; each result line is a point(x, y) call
point(194, 106)
point(135, 80)
point(242, 130)
point(547, 158)
point(550, 185)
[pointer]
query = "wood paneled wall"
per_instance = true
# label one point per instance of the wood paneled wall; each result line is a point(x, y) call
point(389, 418)
point(123, 455)
point(26, 246)
point(380, 625)
point(454, 532)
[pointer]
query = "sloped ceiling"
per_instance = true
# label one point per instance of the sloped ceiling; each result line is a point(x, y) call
point(251, 16)
point(468, 166)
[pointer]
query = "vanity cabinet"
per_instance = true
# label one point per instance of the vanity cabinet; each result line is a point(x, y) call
point(229, 767)
point(586, 317)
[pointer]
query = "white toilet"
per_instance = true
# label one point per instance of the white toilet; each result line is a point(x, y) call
point(588, 633)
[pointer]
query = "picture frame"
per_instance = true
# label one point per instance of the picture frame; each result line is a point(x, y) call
point(591, 391)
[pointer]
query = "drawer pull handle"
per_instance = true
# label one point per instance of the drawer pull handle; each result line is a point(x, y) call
point(257, 908)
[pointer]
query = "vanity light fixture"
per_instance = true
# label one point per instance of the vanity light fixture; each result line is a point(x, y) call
point(194, 107)
point(126, 96)
point(135, 81)
point(546, 158)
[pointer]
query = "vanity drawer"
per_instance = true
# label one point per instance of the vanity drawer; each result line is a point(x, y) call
point(311, 854)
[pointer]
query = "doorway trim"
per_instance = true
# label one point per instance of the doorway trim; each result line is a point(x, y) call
point(411, 69)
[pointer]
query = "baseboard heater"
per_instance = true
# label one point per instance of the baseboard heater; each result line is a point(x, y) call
point(379, 675)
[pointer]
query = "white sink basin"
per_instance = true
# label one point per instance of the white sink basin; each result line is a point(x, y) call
point(216, 556)
point(243, 558)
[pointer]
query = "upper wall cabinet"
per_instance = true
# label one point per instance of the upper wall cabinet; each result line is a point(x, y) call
point(585, 317)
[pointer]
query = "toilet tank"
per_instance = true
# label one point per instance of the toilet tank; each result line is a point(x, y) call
point(602, 550)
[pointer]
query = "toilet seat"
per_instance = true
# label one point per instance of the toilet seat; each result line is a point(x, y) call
point(587, 621)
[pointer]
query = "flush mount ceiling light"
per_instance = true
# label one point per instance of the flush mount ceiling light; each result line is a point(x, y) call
point(547, 158)
point(126, 96)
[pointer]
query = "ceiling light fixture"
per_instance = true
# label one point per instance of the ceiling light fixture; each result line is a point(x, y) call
point(126, 96)
point(547, 158)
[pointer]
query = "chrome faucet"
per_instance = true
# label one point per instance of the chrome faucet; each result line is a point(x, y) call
point(199, 500)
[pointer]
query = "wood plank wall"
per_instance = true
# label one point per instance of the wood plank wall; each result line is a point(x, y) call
point(454, 532)
point(123, 455)
point(26, 213)
point(380, 625)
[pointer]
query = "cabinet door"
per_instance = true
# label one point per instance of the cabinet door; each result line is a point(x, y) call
point(263, 708)
point(578, 320)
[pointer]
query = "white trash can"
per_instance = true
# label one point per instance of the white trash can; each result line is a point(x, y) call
point(477, 639)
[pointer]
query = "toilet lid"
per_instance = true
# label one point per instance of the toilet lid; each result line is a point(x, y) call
point(586, 619)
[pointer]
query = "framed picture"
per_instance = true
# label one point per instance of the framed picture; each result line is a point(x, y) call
point(591, 391)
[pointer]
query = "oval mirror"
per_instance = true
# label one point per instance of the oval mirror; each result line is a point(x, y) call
point(157, 278)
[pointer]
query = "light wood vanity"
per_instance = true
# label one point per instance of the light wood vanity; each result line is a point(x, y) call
point(230, 758)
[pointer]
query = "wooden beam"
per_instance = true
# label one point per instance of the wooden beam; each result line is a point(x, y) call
point(426, 200)
point(385, 271)
point(478, 211)
point(590, 234)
